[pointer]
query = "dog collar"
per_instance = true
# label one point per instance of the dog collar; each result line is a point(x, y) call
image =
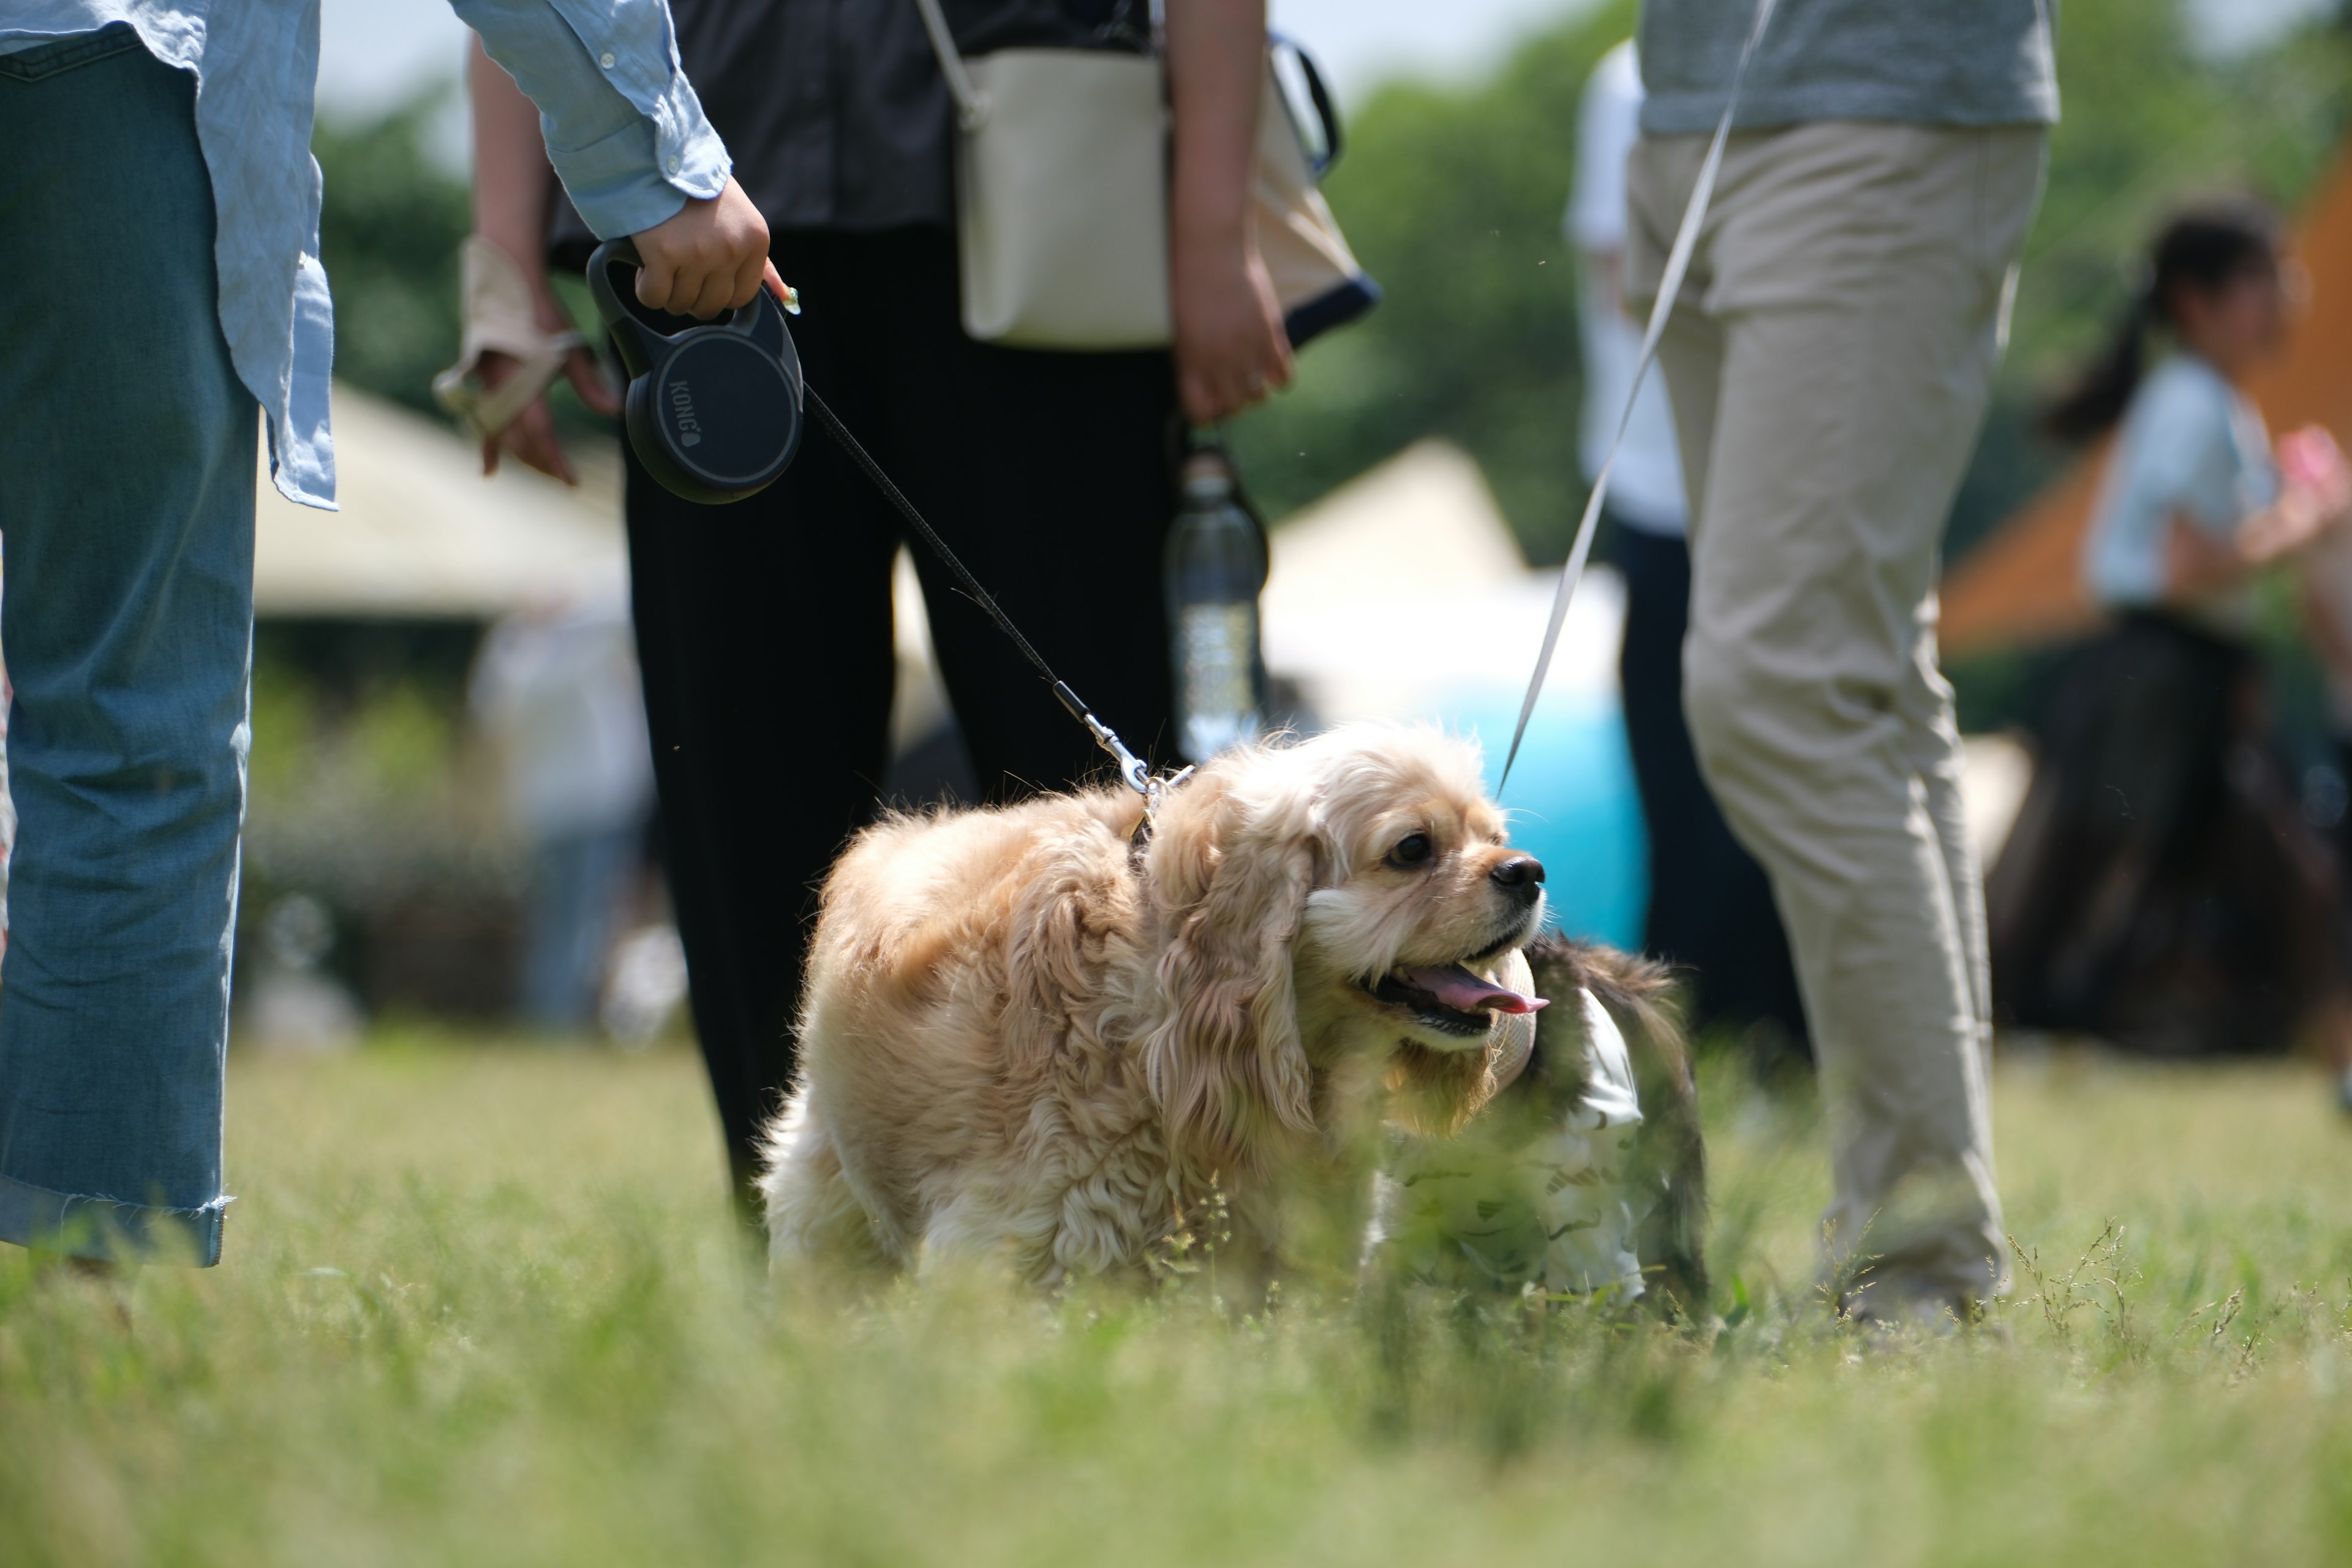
point(1153, 788)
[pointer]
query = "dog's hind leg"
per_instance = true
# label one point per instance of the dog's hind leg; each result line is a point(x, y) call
point(813, 1214)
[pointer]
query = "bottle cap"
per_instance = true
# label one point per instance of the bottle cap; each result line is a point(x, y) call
point(1207, 476)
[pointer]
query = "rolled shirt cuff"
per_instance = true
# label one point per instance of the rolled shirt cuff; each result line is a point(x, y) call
point(302, 440)
point(641, 174)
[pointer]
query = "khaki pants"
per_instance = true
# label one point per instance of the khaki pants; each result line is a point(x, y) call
point(1829, 361)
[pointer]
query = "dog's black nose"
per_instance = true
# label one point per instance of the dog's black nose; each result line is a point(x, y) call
point(1521, 876)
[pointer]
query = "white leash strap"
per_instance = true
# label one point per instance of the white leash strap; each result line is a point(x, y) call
point(1678, 263)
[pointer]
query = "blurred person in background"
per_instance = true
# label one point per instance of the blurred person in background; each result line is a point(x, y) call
point(556, 687)
point(2328, 612)
point(1711, 910)
point(7, 810)
point(180, 305)
point(764, 626)
point(2162, 887)
point(1829, 358)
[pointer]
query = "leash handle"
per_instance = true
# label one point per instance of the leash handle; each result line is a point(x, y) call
point(1669, 287)
point(1132, 770)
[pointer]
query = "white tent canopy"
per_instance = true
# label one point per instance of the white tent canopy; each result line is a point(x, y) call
point(1403, 590)
point(423, 536)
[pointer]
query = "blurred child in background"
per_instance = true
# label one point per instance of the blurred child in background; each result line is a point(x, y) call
point(2162, 888)
point(556, 686)
point(2328, 612)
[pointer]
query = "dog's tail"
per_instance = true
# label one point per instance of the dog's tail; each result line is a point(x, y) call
point(1669, 1157)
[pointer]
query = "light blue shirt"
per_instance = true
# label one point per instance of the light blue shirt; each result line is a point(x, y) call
point(623, 130)
point(2192, 447)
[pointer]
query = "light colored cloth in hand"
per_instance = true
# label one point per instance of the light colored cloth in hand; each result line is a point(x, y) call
point(1830, 360)
point(501, 318)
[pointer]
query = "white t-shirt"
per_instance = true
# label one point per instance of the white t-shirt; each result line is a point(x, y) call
point(559, 689)
point(2192, 447)
point(1645, 489)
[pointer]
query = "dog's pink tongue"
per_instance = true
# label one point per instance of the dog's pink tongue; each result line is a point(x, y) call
point(1465, 992)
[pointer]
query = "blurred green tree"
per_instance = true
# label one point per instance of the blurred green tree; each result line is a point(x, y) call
point(388, 234)
point(1453, 195)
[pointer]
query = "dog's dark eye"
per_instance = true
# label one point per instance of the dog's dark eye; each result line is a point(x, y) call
point(1411, 850)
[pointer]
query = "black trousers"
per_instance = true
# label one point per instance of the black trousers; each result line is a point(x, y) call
point(764, 626)
point(1711, 910)
point(2161, 888)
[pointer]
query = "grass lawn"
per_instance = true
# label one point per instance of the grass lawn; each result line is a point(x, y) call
point(480, 1306)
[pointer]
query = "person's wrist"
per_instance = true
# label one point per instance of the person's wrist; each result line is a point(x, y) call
point(527, 258)
point(1207, 233)
point(1207, 273)
point(547, 309)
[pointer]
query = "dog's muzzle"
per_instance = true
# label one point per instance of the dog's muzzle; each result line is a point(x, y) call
point(1521, 878)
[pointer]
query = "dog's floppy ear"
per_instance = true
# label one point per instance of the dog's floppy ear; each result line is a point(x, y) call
point(1230, 872)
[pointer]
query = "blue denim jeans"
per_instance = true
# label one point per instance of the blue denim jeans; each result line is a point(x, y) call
point(127, 457)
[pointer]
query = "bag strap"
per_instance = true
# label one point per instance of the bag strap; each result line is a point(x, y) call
point(972, 108)
point(1320, 164)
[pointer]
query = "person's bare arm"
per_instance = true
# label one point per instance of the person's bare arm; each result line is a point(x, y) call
point(2315, 494)
point(513, 182)
point(1230, 346)
point(513, 185)
point(711, 256)
point(2196, 563)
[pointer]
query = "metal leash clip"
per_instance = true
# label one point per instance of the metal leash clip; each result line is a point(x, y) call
point(1133, 771)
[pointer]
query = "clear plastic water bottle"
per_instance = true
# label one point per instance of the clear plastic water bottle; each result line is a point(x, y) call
point(1216, 564)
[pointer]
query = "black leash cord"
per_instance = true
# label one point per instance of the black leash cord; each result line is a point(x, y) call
point(1128, 767)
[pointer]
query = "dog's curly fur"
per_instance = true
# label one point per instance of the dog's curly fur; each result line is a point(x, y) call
point(1018, 1044)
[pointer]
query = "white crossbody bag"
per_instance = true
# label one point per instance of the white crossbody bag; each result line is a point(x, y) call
point(1062, 162)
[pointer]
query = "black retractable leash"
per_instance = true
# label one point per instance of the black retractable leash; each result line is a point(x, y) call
point(713, 407)
point(714, 412)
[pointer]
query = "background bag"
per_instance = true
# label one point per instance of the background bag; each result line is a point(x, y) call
point(1062, 199)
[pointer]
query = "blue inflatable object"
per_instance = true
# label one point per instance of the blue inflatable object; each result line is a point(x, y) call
point(1572, 803)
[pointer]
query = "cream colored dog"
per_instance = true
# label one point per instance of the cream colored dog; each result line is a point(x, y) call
point(1024, 1039)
